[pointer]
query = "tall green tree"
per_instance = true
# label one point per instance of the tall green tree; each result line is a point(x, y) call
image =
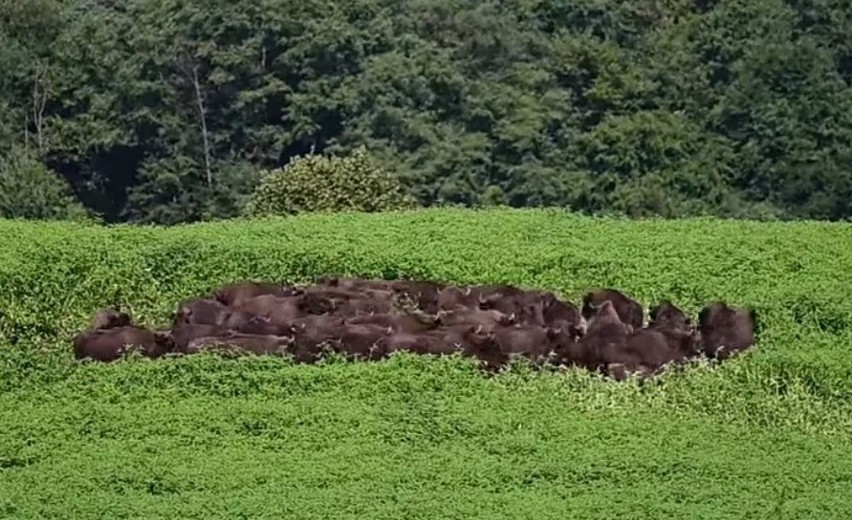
point(167, 111)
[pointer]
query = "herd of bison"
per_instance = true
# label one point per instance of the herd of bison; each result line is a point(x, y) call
point(371, 319)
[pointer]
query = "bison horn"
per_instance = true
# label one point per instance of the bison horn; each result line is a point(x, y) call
point(467, 291)
point(583, 325)
point(390, 330)
point(478, 329)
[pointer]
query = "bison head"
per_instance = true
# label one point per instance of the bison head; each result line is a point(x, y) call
point(666, 314)
point(581, 327)
point(605, 314)
point(695, 342)
point(331, 281)
point(716, 311)
point(505, 320)
point(552, 333)
point(165, 341)
point(488, 302)
point(110, 319)
point(316, 304)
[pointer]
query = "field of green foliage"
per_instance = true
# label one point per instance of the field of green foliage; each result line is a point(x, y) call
point(767, 435)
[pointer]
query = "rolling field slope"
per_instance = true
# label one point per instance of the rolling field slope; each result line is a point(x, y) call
point(766, 435)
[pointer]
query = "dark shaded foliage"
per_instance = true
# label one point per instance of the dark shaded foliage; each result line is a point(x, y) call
point(166, 111)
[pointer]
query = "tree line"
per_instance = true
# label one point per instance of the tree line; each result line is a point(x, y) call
point(169, 111)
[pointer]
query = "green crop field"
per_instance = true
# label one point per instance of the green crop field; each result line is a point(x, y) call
point(766, 435)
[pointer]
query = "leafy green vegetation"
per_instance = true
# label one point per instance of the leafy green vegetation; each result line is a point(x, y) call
point(766, 435)
point(29, 190)
point(327, 184)
point(166, 111)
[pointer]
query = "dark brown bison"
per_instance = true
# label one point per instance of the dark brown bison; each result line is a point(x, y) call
point(452, 297)
point(469, 341)
point(113, 343)
point(353, 288)
point(110, 319)
point(262, 326)
point(411, 323)
point(236, 294)
point(528, 308)
point(280, 310)
point(617, 371)
point(610, 342)
point(606, 335)
point(606, 319)
point(360, 306)
point(629, 311)
point(236, 342)
point(666, 315)
point(499, 290)
point(312, 303)
point(206, 311)
point(614, 348)
point(362, 341)
point(336, 293)
point(598, 353)
point(311, 342)
point(484, 347)
point(184, 333)
point(420, 343)
point(648, 350)
point(325, 321)
point(316, 329)
point(211, 312)
point(563, 315)
point(537, 344)
point(686, 343)
point(726, 330)
point(424, 294)
point(202, 311)
point(465, 316)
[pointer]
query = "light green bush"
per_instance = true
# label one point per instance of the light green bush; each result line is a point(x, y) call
point(317, 183)
point(29, 190)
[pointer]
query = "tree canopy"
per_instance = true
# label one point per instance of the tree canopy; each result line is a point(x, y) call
point(168, 111)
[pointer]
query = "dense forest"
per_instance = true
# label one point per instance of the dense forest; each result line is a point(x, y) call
point(168, 111)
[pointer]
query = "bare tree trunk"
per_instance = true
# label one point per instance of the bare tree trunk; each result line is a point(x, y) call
point(203, 118)
point(39, 103)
